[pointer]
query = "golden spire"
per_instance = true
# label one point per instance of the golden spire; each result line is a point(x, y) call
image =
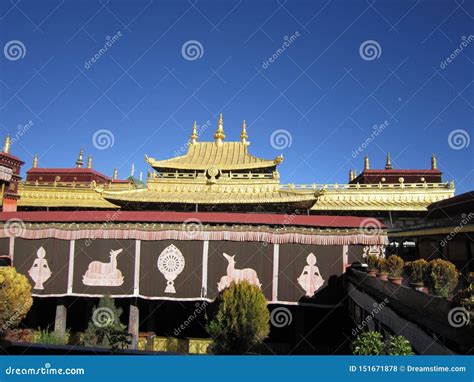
point(351, 175)
point(79, 161)
point(433, 162)
point(194, 134)
point(115, 176)
point(366, 163)
point(243, 135)
point(219, 135)
point(35, 161)
point(6, 146)
point(388, 164)
point(89, 161)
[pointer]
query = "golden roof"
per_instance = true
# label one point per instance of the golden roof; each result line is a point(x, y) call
point(223, 156)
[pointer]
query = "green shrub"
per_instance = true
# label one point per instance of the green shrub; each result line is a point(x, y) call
point(399, 345)
point(395, 266)
point(105, 328)
point(368, 343)
point(416, 270)
point(372, 262)
point(465, 297)
point(240, 321)
point(15, 298)
point(441, 277)
point(382, 266)
point(50, 338)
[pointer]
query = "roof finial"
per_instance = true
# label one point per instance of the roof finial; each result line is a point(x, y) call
point(351, 175)
point(115, 175)
point(35, 161)
point(366, 163)
point(89, 161)
point(243, 135)
point(219, 135)
point(79, 161)
point(132, 171)
point(194, 134)
point(6, 146)
point(388, 163)
point(433, 162)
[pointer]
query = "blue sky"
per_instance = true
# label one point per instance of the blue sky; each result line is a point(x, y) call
point(316, 103)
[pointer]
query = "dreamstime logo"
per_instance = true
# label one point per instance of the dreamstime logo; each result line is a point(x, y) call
point(192, 50)
point(465, 219)
point(377, 308)
point(376, 131)
point(281, 317)
point(191, 228)
point(14, 50)
point(287, 41)
point(200, 307)
point(370, 50)
point(103, 317)
point(459, 139)
point(103, 139)
point(109, 42)
point(458, 317)
point(21, 130)
point(14, 227)
point(281, 139)
point(456, 52)
point(371, 226)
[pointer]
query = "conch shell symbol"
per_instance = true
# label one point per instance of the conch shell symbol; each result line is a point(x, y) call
point(39, 271)
point(310, 279)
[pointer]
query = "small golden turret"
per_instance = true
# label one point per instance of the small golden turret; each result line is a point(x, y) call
point(434, 166)
point(80, 160)
point(6, 145)
point(243, 135)
point(115, 176)
point(366, 163)
point(194, 135)
point(35, 161)
point(89, 161)
point(388, 163)
point(351, 175)
point(219, 135)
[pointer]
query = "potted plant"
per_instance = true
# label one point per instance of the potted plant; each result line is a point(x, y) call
point(372, 264)
point(399, 345)
point(441, 277)
point(368, 343)
point(416, 270)
point(382, 269)
point(395, 269)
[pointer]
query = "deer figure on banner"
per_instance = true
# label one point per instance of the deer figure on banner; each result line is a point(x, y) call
point(104, 274)
point(237, 275)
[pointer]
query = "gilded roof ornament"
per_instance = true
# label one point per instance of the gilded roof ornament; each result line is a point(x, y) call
point(115, 176)
point(243, 135)
point(194, 135)
point(366, 163)
point(35, 161)
point(89, 161)
point(279, 159)
point(6, 145)
point(388, 164)
point(80, 161)
point(433, 162)
point(219, 135)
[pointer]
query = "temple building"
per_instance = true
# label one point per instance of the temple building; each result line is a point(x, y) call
point(200, 221)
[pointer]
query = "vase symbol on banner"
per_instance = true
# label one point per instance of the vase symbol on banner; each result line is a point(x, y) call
point(310, 279)
point(104, 274)
point(237, 275)
point(39, 271)
point(171, 264)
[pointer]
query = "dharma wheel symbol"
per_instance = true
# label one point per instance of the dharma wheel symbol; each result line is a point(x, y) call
point(171, 264)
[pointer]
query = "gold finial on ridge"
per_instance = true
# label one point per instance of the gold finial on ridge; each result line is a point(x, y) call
point(89, 161)
point(243, 135)
point(388, 163)
point(366, 163)
point(115, 176)
point(35, 161)
point(433, 162)
point(194, 134)
point(80, 161)
point(6, 146)
point(351, 175)
point(219, 135)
